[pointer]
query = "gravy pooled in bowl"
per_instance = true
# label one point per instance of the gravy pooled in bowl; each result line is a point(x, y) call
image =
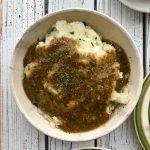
point(76, 78)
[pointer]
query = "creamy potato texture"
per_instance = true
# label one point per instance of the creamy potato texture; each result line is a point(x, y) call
point(75, 77)
point(89, 43)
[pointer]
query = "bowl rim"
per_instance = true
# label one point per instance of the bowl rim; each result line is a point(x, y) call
point(140, 73)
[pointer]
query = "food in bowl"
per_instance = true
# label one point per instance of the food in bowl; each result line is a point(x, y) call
point(75, 77)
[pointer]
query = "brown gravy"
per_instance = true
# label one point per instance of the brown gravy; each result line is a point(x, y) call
point(80, 90)
point(124, 64)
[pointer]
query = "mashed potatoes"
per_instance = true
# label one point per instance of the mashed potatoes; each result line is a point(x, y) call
point(80, 78)
point(90, 43)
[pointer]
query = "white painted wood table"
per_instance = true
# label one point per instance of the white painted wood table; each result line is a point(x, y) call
point(17, 15)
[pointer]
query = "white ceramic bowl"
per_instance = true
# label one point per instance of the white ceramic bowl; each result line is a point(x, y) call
point(105, 26)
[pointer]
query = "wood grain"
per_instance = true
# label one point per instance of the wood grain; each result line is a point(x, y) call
point(148, 41)
point(0, 75)
point(17, 133)
point(0, 16)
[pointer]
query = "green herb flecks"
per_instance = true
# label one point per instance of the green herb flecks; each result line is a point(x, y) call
point(67, 81)
point(92, 44)
point(72, 33)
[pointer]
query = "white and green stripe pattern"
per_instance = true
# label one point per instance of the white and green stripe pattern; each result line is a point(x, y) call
point(142, 115)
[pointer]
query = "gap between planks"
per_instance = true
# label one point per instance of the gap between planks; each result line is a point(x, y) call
point(17, 133)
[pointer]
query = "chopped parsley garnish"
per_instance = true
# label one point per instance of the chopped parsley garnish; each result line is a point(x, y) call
point(72, 33)
point(92, 44)
point(67, 81)
point(84, 23)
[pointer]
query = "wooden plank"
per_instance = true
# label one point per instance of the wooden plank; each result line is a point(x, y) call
point(53, 6)
point(0, 16)
point(123, 137)
point(4, 79)
point(148, 41)
point(17, 132)
point(57, 4)
point(1, 142)
point(90, 143)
